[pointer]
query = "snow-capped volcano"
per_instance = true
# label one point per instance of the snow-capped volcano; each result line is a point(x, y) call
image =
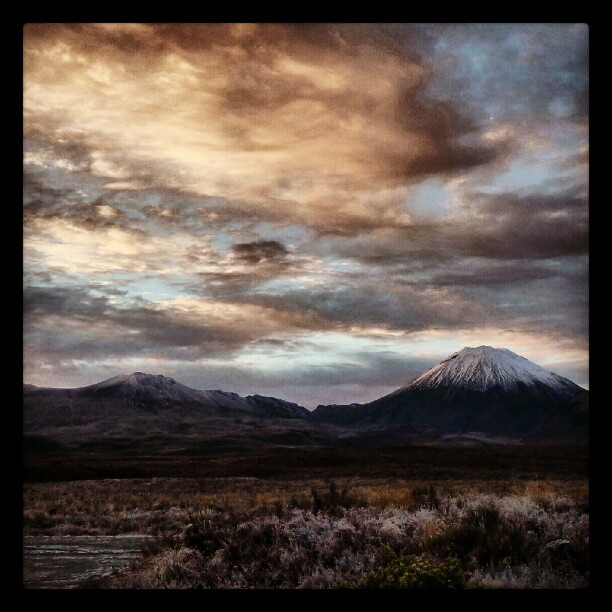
point(484, 367)
point(482, 389)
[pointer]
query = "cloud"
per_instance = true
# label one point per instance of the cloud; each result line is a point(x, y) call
point(292, 122)
point(261, 250)
point(204, 200)
point(500, 226)
point(96, 240)
point(68, 320)
point(528, 71)
point(356, 305)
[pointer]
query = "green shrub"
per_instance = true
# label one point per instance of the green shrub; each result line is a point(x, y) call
point(412, 572)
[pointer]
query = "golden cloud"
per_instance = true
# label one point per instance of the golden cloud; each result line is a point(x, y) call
point(322, 125)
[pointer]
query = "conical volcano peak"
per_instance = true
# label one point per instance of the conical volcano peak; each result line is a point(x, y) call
point(484, 350)
point(478, 391)
point(485, 367)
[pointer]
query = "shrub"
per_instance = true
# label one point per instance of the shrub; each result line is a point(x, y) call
point(485, 536)
point(334, 498)
point(426, 496)
point(295, 537)
point(39, 519)
point(412, 572)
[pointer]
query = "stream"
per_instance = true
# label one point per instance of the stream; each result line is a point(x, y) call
point(64, 561)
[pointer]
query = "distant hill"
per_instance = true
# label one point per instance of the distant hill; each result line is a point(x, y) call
point(140, 393)
point(155, 412)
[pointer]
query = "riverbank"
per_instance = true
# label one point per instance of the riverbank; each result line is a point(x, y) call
point(65, 562)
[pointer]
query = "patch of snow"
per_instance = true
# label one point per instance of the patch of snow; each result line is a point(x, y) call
point(485, 367)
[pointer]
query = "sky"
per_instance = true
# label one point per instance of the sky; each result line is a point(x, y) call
point(314, 212)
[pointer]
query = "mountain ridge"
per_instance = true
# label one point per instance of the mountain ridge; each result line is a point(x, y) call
point(154, 392)
point(478, 393)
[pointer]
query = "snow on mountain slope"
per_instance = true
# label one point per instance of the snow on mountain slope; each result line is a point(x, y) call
point(484, 367)
point(152, 389)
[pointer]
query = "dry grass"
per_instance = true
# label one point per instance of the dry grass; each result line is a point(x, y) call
point(99, 507)
point(317, 533)
point(507, 534)
point(518, 517)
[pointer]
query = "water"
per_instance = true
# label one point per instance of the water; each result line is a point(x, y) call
point(63, 561)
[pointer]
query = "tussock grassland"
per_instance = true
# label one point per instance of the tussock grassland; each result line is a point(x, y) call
point(319, 533)
point(152, 506)
point(494, 517)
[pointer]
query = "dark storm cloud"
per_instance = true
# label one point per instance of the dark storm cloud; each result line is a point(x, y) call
point(359, 302)
point(65, 301)
point(261, 250)
point(510, 226)
point(504, 226)
point(108, 330)
point(488, 274)
point(65, 320)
